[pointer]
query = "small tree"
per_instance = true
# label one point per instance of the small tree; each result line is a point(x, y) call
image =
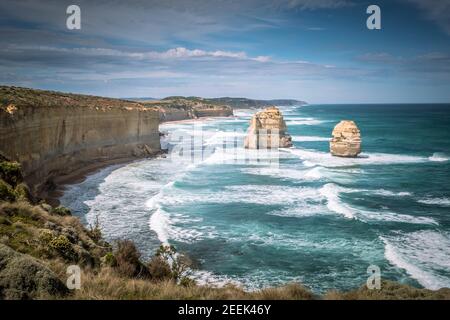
point(128, 259)
point(179, 263)
point(95, 232)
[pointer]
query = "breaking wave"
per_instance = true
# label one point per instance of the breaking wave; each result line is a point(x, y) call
point(332, 193)
point(423, 254)
point(309, 138)
point(325, 159)
point(444, 202)
point(439, 157)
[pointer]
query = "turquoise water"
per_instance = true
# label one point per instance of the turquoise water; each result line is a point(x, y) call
point(294, 215)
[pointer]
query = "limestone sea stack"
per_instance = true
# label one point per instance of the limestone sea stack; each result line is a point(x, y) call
point(346, 141)
point(268, 130)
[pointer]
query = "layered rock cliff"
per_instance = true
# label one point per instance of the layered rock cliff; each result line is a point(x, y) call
point(346, 141)
point(245, 103)
point(54, 134)
point(180, 108)
point(267, 130)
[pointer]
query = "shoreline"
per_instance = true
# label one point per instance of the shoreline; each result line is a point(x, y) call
point(53, 196)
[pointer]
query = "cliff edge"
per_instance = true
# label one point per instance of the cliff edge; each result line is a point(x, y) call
point(182, 108)
point(54, 134)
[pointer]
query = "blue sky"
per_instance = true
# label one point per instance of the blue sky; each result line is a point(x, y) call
point(314, 50)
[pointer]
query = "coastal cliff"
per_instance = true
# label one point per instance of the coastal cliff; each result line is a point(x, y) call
point(56, 134)
point(181, 108)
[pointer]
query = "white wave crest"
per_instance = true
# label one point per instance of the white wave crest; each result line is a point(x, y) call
point(439, 157)
point(309, 138)
point(256, 194)
point(388, 193)
point(304, 122)
point(241, 155)
point(325, 159)
point(287, 173)
point(423, 254)
point(332, 192)
point(444, 202)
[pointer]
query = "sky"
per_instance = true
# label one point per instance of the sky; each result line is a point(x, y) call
point(320, 51)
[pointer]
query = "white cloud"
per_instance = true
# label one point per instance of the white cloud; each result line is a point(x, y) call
point(175, 53)
point(316, 4)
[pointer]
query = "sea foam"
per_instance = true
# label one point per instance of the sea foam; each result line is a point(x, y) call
point(332, 193)
point(421, 254)
point(325, 159)
point(439, 157)
point(309, 138)
point(444, 202)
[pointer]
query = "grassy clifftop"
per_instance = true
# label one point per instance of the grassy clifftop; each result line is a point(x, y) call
point(186, 103)
point(253, 103)
point(38, 242)
point(26, 97)
point(237, 103)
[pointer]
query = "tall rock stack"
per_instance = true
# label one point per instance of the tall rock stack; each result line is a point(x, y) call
point(266, 126)
point(346, 141)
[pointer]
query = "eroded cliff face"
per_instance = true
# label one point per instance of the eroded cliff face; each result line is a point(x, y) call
point(346, 141)
point(267, 130)
point(175, 109)
point(53, 134)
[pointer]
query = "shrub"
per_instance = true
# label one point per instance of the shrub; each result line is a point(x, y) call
point(10, 172)
point(61, 211)
point(46, 236)
point(187, 282)
point(179, 263)
point(6, 192)
point(23, 192)
point(95, 232)
point(63, 246)
point(127, 258)
point(109, 260)
point(159, 269)
point(390, 290)
point(23, 277)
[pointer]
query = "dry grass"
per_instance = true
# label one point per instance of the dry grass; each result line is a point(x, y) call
point(390, 290)
point(13, 97)
point(107, 284)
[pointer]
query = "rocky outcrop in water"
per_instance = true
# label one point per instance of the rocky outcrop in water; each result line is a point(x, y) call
point(346, 141)
point(267, 130)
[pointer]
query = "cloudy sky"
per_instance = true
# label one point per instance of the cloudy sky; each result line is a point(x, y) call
point(315, 50)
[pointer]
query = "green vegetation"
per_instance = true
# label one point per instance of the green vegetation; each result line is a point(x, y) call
point(6, 192)
point(61, 211)
point(13, 97)
point(10, 172)
point(243, 103)
point(236, 102)
point(390, 290)
point(192, 104)
point(38, 243)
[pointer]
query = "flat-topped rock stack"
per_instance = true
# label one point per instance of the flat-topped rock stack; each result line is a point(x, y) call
point(268, 130)
point(346, 141)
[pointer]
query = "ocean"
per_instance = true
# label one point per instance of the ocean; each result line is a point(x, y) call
point(298, 214)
